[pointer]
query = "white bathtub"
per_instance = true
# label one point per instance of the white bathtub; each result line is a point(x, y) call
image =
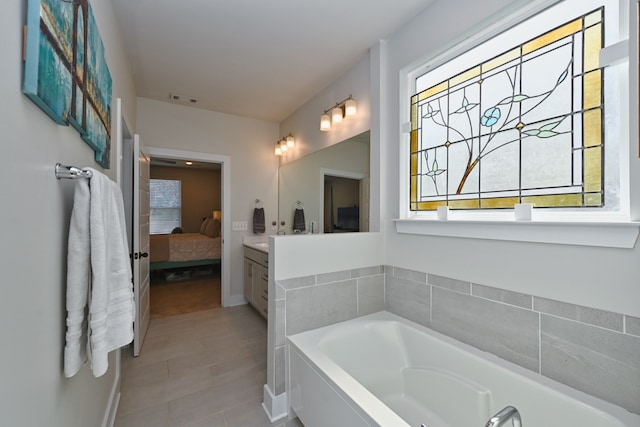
point(383, 370)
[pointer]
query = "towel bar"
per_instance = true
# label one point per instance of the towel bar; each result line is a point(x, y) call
point(71, 172)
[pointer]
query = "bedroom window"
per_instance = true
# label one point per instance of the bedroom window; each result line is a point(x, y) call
point(529, 116)
point(165, 205)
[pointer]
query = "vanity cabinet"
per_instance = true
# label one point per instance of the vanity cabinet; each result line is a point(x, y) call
point(256, 279)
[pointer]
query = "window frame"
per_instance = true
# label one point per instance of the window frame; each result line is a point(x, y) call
point(582, 228)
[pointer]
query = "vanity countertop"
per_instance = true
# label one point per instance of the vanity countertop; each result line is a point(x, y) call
point(259, 246)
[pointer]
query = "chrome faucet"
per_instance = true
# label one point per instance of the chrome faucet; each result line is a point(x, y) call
point(508, 413)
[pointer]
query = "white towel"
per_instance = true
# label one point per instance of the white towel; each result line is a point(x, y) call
point(110, 296)
point(78, 273)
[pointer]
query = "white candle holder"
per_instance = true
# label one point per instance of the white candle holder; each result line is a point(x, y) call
point(523, 211)
point(443, 212)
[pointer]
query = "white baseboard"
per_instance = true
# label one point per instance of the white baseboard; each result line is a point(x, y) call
point(109, 418)
point(112, 410)
point(234, 300)
point(274, 406)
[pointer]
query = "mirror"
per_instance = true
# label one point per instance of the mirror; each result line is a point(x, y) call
point(332, 185)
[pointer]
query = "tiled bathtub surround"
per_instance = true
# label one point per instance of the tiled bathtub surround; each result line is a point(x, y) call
point(592, 350)
point(311, 302)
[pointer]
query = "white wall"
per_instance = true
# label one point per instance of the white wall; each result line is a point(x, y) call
point(304, 123)
point(306, 255)
point(248, 142)
point(35, 218)
point(595, 277)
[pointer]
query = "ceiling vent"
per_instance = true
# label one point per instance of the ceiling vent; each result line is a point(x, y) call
point(183, 99)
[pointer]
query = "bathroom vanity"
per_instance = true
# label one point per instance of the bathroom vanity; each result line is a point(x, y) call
point(256, 276)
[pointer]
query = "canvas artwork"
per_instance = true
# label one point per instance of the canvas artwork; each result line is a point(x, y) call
point(66, 73)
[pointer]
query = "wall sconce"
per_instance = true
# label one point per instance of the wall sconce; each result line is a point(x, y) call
point(286, 143)
point(325, 122)
point(344, 109)
point(291, 142)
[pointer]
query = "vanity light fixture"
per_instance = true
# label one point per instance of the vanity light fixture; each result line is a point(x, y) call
point(336, 115)
point(350, 107)
point(325, 122)
point(286, 143)
point(291, 141)
point(344, 109)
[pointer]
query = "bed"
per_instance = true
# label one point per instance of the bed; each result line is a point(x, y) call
point(186, 249)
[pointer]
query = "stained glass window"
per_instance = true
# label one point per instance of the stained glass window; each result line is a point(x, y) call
point(525, 126)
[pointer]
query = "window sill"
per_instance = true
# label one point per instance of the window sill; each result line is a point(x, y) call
point(601, 234)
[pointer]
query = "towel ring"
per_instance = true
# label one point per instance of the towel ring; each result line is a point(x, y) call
point(258, 204)
point(299, 205)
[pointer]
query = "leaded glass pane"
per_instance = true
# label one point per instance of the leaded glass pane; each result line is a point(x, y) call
point(525, 126)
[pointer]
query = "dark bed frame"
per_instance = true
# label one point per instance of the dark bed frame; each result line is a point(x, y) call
point(165, 265)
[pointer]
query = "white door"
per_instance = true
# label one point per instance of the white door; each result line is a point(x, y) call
point(140, 243)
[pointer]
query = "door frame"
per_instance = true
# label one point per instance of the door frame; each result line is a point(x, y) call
point(225, 175)
point(124, 179)
point(340, 174)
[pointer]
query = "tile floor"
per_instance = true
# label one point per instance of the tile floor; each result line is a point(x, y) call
point(205, 368)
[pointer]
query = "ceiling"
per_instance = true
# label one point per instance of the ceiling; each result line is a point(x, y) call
point(176, 163)
point(261, 59)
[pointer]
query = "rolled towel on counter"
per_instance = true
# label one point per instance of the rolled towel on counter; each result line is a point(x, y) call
point(298, 221)
point(258, 220)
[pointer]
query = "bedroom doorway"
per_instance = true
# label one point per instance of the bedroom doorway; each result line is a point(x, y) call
point(195, 277)
point(344, 201)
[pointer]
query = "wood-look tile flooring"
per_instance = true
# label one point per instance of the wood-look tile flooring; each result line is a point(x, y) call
point(205, 368)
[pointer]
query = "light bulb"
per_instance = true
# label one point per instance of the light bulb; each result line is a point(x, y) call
point(291, 142)
point(283, 146)
point(325, 123)
point(278, 151)
point(350, 108)
point(336, 115)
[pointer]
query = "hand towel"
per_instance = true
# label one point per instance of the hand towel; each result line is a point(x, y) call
point(111, 305)
point(78, 272)
point(298, 221)
point(258, 220)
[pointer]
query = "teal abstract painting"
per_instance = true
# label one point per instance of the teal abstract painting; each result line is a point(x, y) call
point(66, 73)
